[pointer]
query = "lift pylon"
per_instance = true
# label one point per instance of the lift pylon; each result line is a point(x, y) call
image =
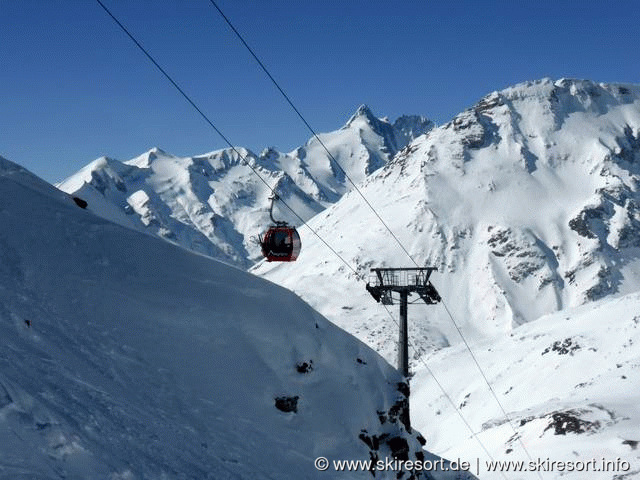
point(403, 281)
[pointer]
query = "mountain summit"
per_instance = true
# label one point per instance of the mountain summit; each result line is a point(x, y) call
point(214, 204)
point(363, 111)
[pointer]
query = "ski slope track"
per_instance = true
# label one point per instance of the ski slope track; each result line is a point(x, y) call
point(125, 357)
point(214, 204)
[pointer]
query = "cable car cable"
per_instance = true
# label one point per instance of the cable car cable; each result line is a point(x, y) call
point(242, 157)
point(211, 124)
point(315, 135)
point(491, 389)
point(205, 117)
point(447, 396)
point(313, 132)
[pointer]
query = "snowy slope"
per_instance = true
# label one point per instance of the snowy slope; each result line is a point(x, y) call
point(124, 357)
point(569, 381)
point(527, 203)
point(214, 204)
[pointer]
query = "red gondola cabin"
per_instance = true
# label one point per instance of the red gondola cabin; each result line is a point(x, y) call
point(281, 243)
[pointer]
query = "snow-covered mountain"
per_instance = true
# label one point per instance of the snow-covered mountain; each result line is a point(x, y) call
point(214, 204)
point(125, 357)
point(527, 203)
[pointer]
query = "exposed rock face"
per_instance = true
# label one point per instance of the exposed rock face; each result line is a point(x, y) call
point(395, 439)
point(569, 422)
point(287, 404)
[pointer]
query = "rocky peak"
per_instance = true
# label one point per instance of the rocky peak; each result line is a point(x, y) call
point(363, 112)
point(409, 127)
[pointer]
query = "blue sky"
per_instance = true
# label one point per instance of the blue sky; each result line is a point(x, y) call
point(73, 87)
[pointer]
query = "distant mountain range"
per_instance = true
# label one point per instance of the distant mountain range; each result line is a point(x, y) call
point(527, 203)
point(214, 204)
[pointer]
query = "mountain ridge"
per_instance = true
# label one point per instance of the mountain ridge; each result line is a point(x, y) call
point(214, 204)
